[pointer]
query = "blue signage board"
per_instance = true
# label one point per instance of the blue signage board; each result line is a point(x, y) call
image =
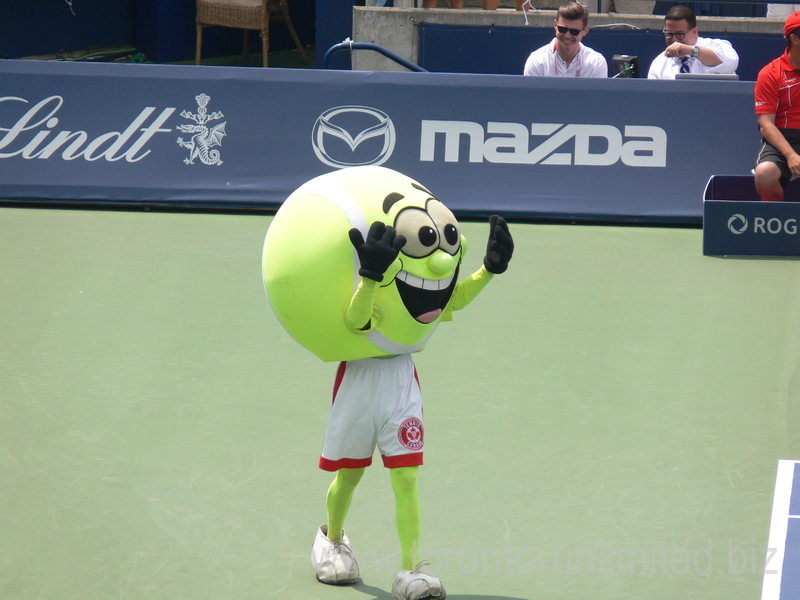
point(737, 223)
point(247, 137)
point(482, 49)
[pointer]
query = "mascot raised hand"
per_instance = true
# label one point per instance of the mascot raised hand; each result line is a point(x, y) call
point(360, 266)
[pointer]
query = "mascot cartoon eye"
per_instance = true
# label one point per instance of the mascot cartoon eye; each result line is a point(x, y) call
point(427, 230)
point(422, 236)
point(428, 236)
point(447, 225)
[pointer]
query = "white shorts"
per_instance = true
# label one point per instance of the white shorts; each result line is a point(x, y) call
point(376, 402)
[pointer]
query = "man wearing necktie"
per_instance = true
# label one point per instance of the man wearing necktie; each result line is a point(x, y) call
point(687, 52)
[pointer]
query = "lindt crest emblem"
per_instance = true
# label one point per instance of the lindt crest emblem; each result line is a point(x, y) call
point(204, 138)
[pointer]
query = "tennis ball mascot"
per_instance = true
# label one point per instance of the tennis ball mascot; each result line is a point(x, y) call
point(360, 266)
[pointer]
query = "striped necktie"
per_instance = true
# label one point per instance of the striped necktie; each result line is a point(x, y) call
point(684, 64)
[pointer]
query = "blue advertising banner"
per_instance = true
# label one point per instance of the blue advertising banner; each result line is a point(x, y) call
point(737, 223)
point(475, 49)
point(616, 149)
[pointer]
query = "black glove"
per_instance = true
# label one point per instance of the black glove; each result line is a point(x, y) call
point(379, 251)
point(500, 246)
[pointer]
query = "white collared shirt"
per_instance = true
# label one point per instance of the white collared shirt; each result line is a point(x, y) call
point(547, 62)
point(666, 67)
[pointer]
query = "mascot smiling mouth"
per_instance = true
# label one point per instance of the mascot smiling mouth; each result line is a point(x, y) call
point(425, 299)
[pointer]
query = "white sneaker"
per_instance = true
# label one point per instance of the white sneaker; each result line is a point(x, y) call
point(416, 585)
point(333, 562)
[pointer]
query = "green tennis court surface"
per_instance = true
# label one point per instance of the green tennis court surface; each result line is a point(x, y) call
point(604, 422)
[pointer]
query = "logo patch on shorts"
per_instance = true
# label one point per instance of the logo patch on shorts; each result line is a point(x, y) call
point(411, 434)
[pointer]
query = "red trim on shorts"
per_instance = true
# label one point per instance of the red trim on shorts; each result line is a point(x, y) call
point(404, 460)
point(343, 463)
point(338, 381)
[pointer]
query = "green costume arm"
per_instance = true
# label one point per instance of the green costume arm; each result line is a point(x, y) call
point(466, 291)
point(362, 316)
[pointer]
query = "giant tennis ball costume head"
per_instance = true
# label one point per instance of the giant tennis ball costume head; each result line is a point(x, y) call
point(310, 267)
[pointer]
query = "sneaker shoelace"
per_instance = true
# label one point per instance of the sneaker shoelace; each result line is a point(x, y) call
point(420, 564)
point(341, 548)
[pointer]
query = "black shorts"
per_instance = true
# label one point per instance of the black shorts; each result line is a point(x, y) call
point(768, 153)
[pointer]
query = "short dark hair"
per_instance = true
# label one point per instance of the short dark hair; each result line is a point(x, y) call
point(572, 11)
point(682, 13)
point(795, 32)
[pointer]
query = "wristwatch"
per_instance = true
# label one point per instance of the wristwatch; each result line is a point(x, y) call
point(696, 51)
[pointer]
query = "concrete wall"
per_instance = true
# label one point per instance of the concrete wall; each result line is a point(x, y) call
point(396, 28)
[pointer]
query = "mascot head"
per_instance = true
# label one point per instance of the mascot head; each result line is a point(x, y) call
point(310, 267)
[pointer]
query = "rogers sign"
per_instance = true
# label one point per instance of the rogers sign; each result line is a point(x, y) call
point(46, 141)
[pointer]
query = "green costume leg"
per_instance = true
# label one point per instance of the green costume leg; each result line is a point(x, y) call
point(340, 494)
point(404, 484)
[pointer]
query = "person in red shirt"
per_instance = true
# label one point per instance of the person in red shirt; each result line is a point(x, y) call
point(777, 96)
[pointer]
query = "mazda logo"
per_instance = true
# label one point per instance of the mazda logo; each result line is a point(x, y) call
point(737, 224)
point(351, 136)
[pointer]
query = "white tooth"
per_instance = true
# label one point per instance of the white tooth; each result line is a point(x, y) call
point(413, 280)
point(424, 284)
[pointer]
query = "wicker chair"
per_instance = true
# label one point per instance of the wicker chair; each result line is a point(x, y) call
point(247, 15)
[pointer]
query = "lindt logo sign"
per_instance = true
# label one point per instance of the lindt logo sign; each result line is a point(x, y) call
point(36, 134)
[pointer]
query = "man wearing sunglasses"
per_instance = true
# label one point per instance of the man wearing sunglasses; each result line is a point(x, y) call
point(687, 52)
point(566, 56)
point(777, 96)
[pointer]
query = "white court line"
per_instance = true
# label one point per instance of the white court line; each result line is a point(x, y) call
point(773, 571)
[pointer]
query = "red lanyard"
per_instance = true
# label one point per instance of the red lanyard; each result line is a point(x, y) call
point(556, 57)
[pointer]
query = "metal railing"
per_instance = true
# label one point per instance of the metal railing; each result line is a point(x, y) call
point(350, 45)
